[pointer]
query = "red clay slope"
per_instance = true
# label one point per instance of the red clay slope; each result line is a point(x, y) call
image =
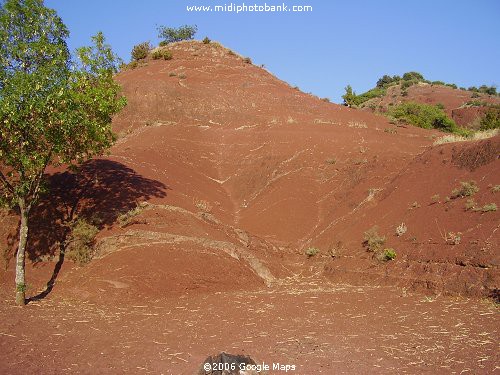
point(242, 173)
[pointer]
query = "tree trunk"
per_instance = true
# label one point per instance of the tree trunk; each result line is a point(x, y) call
point(20, 272)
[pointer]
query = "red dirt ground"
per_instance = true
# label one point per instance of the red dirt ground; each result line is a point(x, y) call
point(226, 176)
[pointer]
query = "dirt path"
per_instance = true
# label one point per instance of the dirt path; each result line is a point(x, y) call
point(316, 326)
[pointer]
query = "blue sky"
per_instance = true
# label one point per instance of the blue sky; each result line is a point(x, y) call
point(338, 43)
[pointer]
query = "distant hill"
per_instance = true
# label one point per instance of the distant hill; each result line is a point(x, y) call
point(466, 107)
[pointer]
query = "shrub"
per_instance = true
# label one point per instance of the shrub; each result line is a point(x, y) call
point(172, 34)
point(81, 241)
point(466, 189)
point(247, 60)
point(206, 40)
point(435, 198)
point(491, 119)
point(495, 189)
point(389, 254)
point(407, 84)
point(373, 241)
point(162, 54)
point(387, 80)
point(172, 74)
point(470, 204)
point(141, 51)
point(413, 76)
point(487, 208)
point(312, 251)
point(424, 116)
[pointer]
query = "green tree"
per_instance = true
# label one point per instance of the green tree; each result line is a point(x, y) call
point(53, 110)
point(349, 96)
point(172, 34)
point(384, 80)
point(413, 76)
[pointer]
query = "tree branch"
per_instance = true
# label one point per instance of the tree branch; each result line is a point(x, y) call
point(6, 183)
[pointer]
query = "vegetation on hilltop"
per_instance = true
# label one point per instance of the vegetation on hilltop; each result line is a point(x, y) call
point(408, 79)
point(176, 34)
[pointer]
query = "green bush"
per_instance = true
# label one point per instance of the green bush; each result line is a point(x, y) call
point(491, 119)
point(172, 34)
point(141, 51)
point(162, 54)
point(424, 116)
point(206, 40)
point(389, 254)
point(413, 76)
point(466, 189)
point(387, 81)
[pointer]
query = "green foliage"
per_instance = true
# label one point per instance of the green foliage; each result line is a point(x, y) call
point(409, 76)
point(370, 94)
point(373, 241)
point(490, 90)
point(389, 254)
point(424, 116)
point(438, 83)
point(312, 251)
point(487, 208)
point(491, 119)
point(81, 241)
point(141, 51)
point(206, 40)
point(484, 89)
point(53, 109)
point(349, 96)
point(386, 80)
point(162, 54)
point(466, 189)
point(172, 34)
point(408, 83)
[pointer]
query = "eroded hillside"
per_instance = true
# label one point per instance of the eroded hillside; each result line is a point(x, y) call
point(223, 176)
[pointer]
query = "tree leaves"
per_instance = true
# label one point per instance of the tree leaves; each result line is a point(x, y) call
point(52, 109)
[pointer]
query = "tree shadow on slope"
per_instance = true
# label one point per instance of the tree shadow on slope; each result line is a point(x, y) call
point(98, 192)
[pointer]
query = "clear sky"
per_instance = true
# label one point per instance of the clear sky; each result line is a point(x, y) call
point(338, 43)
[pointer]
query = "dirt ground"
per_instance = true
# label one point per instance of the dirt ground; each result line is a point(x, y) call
point(320, 327)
